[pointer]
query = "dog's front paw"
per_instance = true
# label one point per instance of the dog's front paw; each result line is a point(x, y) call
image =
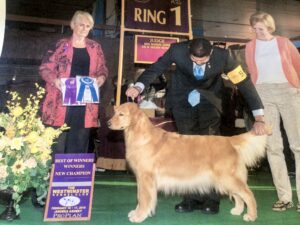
point(248, 217)
point(136, 217)
point(236, 211)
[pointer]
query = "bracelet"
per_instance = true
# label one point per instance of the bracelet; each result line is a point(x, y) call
point(259, 121)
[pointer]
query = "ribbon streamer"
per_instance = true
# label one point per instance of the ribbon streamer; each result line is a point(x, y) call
point(70, 93)
point(86, 83)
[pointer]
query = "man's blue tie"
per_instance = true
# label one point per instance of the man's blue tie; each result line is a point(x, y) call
point(194, 95)
point(194, 98)
point(198, 71)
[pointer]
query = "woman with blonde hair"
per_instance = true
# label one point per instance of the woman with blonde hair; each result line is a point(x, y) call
point(77, 55)
point(274, 66)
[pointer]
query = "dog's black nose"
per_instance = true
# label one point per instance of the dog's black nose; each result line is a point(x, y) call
point(108, 123)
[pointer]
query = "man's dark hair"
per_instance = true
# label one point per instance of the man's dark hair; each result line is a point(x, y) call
point(200, 47)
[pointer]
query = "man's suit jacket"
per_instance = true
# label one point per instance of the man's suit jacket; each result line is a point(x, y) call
point(183, 80)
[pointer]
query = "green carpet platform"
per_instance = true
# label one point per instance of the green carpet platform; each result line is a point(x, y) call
point(115, 196)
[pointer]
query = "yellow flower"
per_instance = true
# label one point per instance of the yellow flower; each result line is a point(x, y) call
point(49, 133)
point(32, 137)
point(23, 132)
point(18, 167)
point(10, 132)
point(17, 143)
point(21, 124)
point(40, 126)
point(33, 149)
point(47, 151)
point(47, 142)
point(41, 145)
point(17, 111)
point(44, 158)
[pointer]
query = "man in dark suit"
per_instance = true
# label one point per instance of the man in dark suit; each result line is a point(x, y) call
point(194, 98)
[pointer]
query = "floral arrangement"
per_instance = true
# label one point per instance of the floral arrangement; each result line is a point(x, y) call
point(25, 148)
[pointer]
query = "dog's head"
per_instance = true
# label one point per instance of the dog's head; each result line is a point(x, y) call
point(124, 116)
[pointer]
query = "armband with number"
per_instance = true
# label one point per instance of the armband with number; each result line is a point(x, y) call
point(237, 75)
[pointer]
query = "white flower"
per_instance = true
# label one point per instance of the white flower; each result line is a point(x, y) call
point(18, 167)
point(17, 143)
point(3, 172)
point(3, 119)
point(47, 177)
point(30, 163)
point(4, 142)
point(16, 188)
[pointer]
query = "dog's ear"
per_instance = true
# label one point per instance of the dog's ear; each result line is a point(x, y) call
point(135, 109)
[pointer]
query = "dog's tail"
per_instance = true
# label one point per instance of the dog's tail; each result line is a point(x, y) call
point(250, 147)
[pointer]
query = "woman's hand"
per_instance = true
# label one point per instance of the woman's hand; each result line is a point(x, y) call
point(100, 80)
point(58, 84)
point(259, 128)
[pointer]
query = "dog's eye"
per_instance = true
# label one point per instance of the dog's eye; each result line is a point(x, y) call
point(121, 114)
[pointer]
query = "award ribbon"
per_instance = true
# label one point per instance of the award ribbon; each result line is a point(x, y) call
point(70, 93)
point(87, 83)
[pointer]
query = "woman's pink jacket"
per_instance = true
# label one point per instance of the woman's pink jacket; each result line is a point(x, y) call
point(290, 59)
point(57, 64)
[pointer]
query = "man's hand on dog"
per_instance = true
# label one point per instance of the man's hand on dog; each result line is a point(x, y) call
point(133, 92)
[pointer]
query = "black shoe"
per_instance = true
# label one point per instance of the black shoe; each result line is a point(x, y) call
point(210, 208)
point(188, 206)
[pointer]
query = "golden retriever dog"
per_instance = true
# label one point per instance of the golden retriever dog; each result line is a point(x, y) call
point(174, 163)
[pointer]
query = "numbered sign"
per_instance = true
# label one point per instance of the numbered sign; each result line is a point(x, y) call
point(157, 15)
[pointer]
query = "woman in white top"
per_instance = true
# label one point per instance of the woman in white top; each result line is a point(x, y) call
point(274, 65)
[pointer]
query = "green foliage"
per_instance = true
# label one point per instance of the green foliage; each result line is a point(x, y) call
point(25, 147)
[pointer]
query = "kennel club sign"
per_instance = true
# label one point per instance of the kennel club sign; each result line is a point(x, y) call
point(157, 15)
point(71, 188)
